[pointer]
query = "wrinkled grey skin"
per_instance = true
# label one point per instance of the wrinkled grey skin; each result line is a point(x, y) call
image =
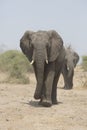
point(45, 51)
point(71, 60)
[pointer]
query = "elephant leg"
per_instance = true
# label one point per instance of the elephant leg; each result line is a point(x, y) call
point(54, 89)
point(68, 82)
point(65, 73)
point(49, 78)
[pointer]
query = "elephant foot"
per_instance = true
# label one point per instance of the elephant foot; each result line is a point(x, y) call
point(46, 103)
point(54, 102)
point(40, 102)
point(67, 87)
point(37, 96)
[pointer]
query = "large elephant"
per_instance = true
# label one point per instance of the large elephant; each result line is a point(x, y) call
point(46, 53)
point(71, 60)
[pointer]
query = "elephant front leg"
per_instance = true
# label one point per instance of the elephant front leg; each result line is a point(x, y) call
point(68, 83)
point(46, 101)
point(54, 91)
point(54, 88)
point(65, 73)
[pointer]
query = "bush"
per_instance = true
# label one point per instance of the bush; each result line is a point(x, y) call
point(17, 65)
point(17, 76)
point(9, 58)
point(84, 62)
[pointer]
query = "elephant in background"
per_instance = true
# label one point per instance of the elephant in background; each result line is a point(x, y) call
point(70, 62)
point(46, 53)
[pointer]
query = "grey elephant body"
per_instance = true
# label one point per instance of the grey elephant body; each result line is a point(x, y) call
point(70, 62)
point(45, 51)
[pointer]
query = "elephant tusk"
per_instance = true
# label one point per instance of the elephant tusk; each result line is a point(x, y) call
point(32, 62)
point(47, 61)
point(67, 68)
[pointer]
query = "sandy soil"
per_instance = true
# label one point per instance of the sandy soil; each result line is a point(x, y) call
point(19, 111)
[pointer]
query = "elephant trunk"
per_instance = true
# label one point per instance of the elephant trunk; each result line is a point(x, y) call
point(70, 71)
point(39, 70)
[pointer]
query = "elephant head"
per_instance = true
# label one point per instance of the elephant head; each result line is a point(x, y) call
point(41, 48)
point(71, 59)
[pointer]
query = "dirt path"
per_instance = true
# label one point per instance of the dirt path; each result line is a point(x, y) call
point(19, 111)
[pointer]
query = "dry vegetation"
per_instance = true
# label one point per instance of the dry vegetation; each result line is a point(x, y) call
point(16, 66)
point(19, 110)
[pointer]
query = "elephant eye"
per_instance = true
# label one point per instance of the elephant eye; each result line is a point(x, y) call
point(74, 61)
point(30, 43)
point(48, 45)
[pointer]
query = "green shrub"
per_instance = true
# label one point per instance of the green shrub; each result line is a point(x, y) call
point(17, 65)
point(9, 58)
point(84, 62)
point(17, 76)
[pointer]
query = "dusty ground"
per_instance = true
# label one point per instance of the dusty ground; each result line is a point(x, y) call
point(19, 111)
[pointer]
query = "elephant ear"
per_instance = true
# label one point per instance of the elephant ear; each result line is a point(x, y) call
point(56, 45)
point(25, 45)
point(76, 58)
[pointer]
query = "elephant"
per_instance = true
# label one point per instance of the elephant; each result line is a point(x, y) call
point(70, 62)
point(46, 53)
